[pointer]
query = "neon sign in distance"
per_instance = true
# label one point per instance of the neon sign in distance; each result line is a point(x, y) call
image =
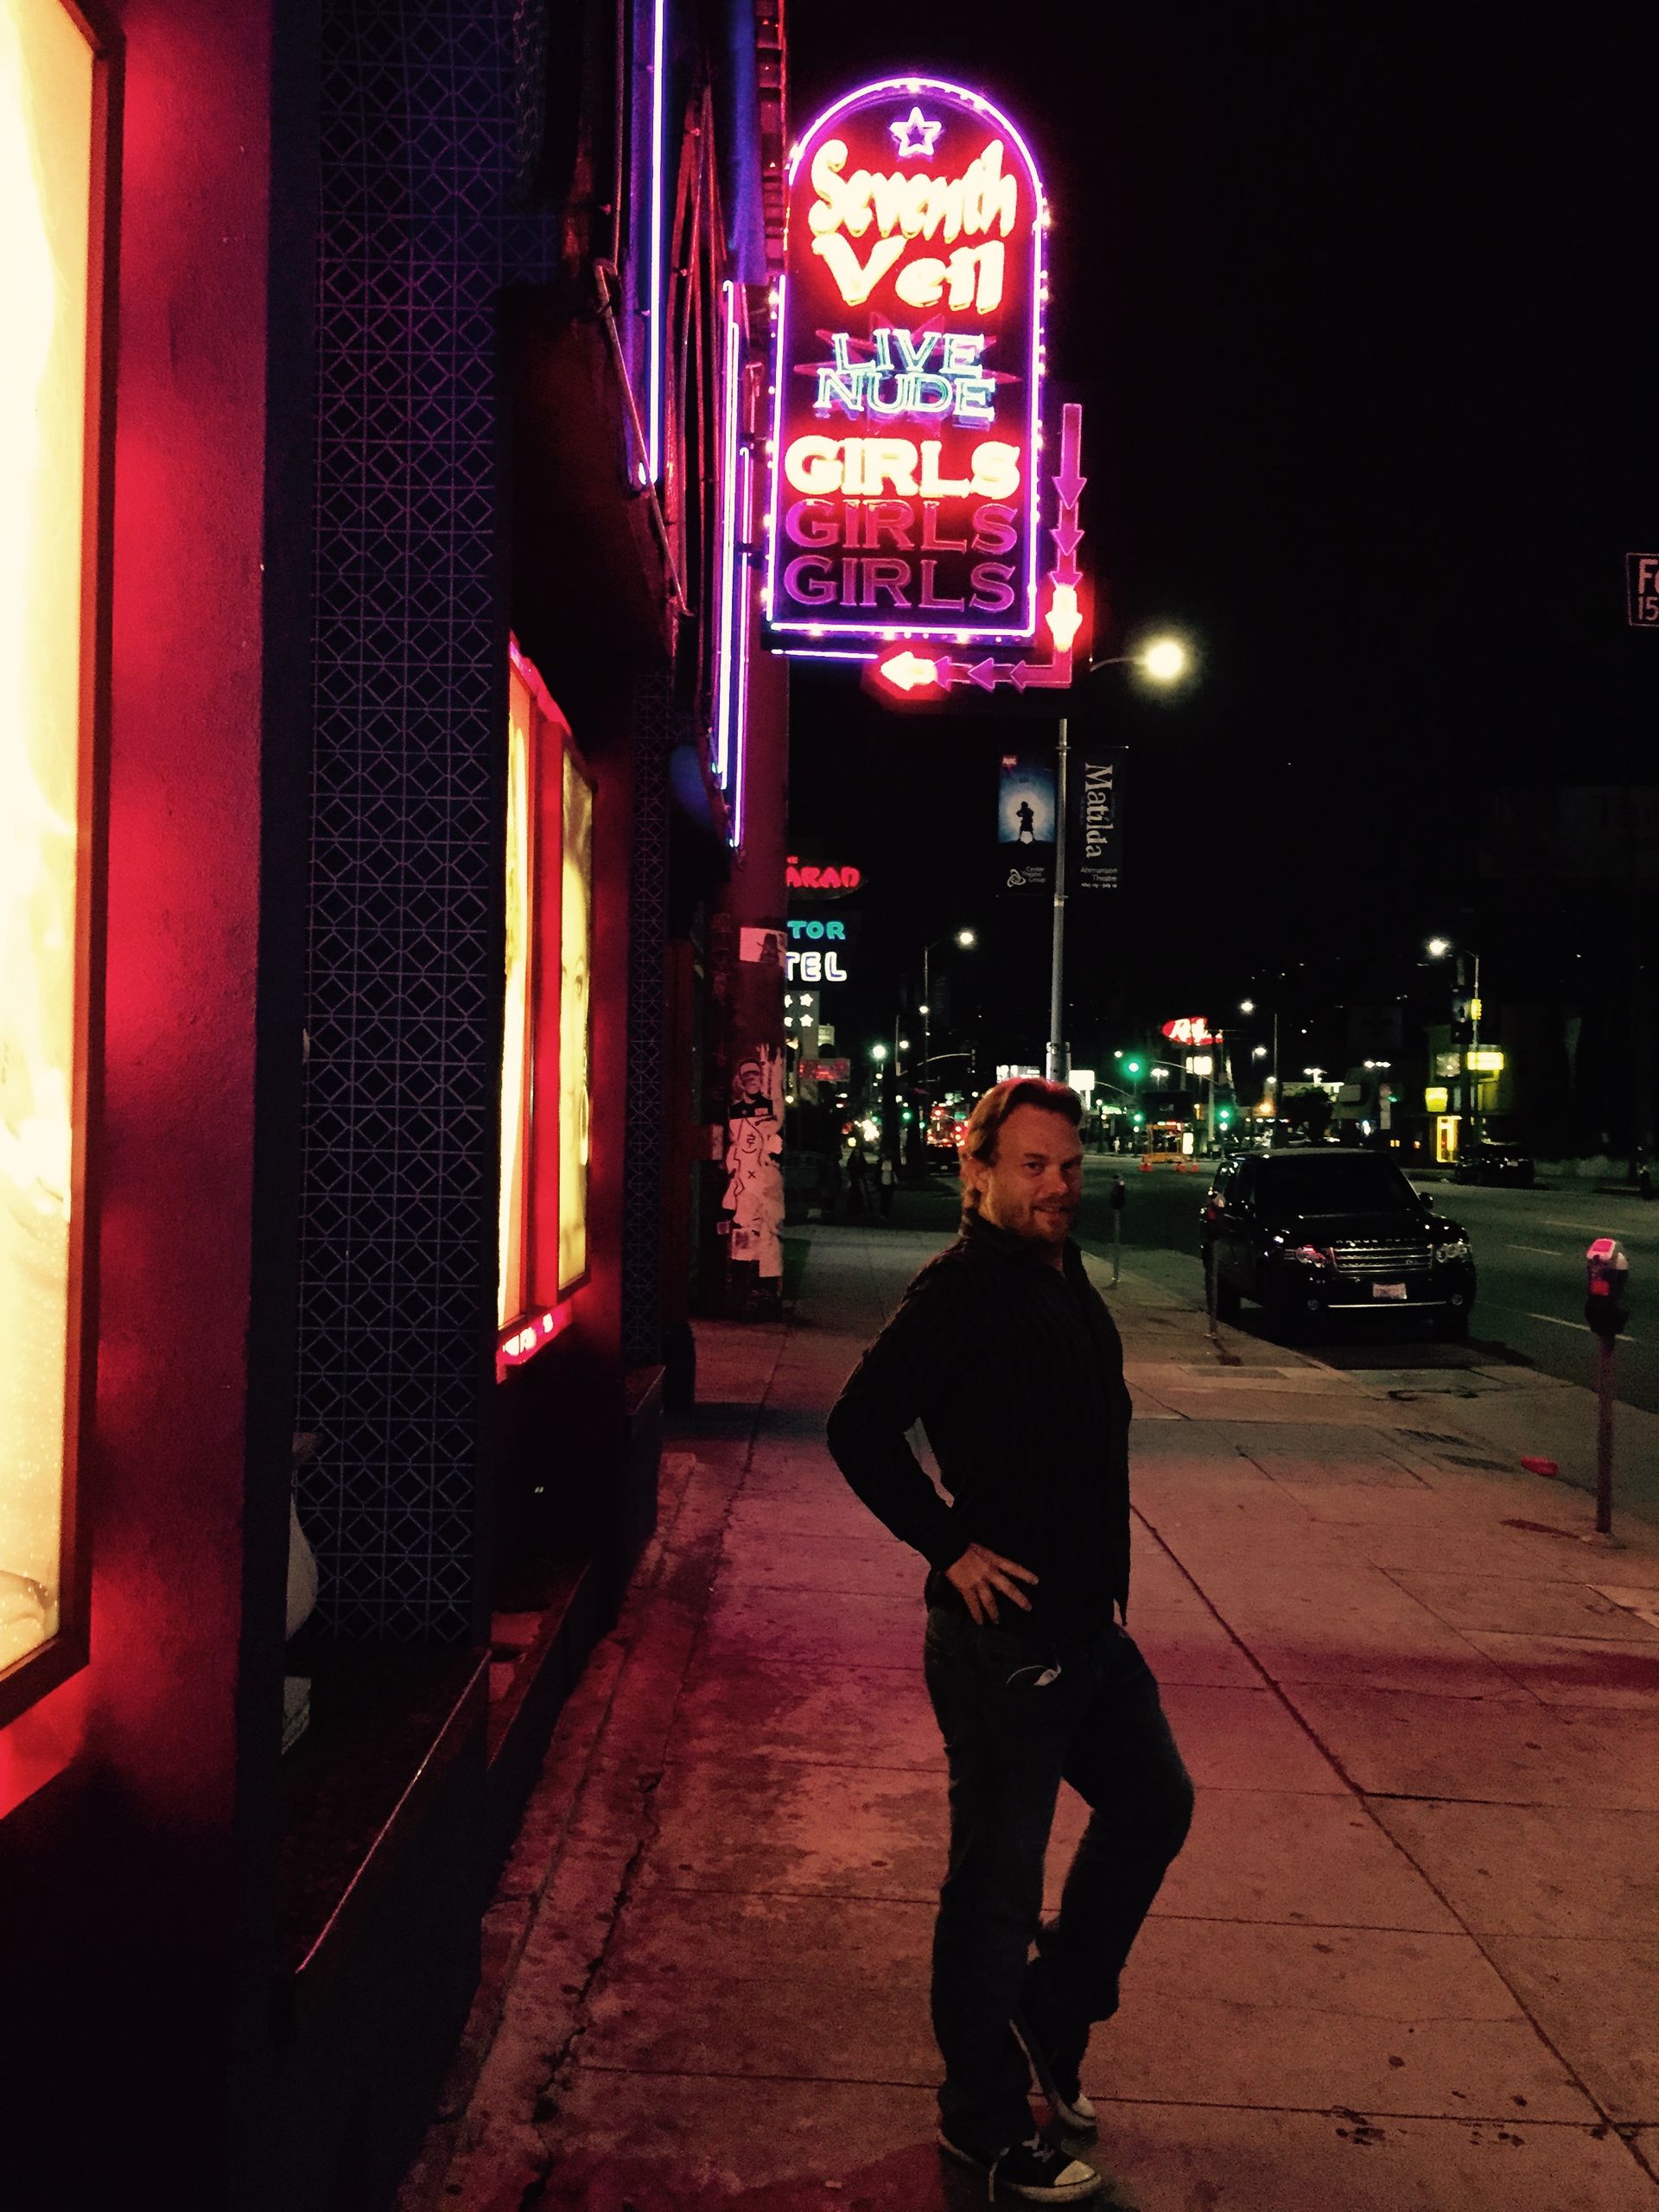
point(907, 383)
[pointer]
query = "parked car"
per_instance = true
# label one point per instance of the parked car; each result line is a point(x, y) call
point(1488, 1162)
point(1311, 1232)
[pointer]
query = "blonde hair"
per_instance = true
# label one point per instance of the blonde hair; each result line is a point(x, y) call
point(985, 1125)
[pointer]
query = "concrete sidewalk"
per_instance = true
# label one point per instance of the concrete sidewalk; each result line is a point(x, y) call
point(1409, 1957)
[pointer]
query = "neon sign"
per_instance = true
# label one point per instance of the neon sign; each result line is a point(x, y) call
point(1191, 1030)
point(907, 380)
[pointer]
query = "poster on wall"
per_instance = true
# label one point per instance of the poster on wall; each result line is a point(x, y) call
point(1024, 823)
point(907, 377)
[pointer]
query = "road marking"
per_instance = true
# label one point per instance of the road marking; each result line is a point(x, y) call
point(1556, 1322)
point(1550, 1251)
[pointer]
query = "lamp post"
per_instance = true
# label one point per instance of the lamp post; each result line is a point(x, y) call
point(1163, 661)
point(1469, 1087)
point(966, 940)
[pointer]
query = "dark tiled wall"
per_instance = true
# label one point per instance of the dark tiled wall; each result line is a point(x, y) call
point(422, 220)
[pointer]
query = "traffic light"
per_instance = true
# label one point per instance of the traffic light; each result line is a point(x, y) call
point(1140, 1119)
point(1135, 1067)
point(1224, 1118)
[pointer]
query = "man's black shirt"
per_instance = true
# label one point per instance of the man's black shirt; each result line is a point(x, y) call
point(1016, 1372)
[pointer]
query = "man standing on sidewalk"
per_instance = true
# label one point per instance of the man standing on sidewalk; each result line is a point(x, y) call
point(1007, 1354)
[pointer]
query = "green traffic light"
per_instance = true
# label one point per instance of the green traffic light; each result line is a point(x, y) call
point(1133, 1067)
point(1140, 1120)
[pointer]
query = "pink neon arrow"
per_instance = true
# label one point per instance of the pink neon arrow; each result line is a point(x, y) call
point(950, 673)
point(907, 672)
point(985, 674)
point(1064, 572)
point(1069, 482)
point(1040, 675)
point(1067, 539)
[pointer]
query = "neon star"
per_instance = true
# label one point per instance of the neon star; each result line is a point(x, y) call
point(915, 137)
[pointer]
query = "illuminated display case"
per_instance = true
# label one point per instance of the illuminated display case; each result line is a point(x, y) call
point(547, 1028)
point(55, 155)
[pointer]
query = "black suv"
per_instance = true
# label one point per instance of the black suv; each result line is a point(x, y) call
point(1308, 1233)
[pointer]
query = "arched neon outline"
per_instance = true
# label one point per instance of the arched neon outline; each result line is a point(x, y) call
point(917, 85)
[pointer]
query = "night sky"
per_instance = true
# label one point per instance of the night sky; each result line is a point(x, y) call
point(1358, 304)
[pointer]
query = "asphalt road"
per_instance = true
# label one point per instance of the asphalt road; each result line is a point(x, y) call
point(1529, 1251)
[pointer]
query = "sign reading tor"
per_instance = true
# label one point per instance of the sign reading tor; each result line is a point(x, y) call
point(907, 395)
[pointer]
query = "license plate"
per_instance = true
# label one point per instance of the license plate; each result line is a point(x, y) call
point(1388, 1290)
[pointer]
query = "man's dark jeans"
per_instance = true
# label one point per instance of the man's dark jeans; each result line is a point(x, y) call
point(1011, 1737)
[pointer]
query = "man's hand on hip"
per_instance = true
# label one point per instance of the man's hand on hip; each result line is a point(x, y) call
point(982, 1576)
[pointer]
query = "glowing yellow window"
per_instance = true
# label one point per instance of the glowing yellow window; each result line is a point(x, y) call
point(546, 1071)
point(576, 1019)
point(52, 178)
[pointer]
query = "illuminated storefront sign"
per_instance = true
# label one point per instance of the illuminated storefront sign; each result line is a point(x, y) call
point(53, 125)
point(808, 877)
point(907, 394)
point(1191, 1029)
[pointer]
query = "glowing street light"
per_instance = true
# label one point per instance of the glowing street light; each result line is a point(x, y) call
point(1247, 1005)
point(877, 1052)
point(1165, 660)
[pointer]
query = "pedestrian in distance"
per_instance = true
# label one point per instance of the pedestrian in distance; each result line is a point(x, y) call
point(1009, 1356)
point(887, 1176)
point(858, 1181)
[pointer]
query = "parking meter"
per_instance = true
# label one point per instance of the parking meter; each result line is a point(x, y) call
point(1118, 1196)
point(1607, 1275)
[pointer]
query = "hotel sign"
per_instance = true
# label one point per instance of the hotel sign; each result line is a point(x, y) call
point(907, 378)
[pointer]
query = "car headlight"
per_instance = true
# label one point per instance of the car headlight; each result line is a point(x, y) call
point(1308, 1255)
point(1456, 1248)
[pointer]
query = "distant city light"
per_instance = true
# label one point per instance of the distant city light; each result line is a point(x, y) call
point(877, 1052)
point(1247, 1005)
point(1438, 947)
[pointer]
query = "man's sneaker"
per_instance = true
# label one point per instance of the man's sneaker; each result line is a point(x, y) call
point(1033, 2170)
point(1059, 2083)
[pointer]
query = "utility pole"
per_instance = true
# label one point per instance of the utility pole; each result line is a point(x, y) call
point(1057, 1068)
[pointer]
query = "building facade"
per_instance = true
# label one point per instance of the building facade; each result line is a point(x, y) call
point(400, 689)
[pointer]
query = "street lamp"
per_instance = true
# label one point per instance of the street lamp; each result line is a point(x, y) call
point(1439, 948)
point(1163, 661)
point(965, 940)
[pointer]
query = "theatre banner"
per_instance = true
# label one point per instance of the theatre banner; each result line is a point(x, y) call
point(1095, 822)
point(907, 378)
point(1025, 818)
